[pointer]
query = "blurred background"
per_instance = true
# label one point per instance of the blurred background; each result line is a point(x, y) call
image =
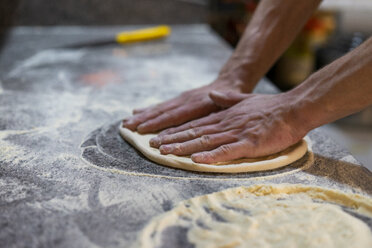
point(336, 28)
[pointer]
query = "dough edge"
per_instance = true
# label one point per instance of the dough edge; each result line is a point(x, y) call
point(286, 157)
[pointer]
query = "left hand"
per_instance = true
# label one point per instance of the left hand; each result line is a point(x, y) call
point(257, 125)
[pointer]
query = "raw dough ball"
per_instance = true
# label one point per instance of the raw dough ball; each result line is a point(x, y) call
point(264, 216)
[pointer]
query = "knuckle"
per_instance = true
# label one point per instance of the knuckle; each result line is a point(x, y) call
point(198, 131)
point(191, 133)
point(178, 148)
point(166, 138)
point(212, 156)
point(164, 133)
point(205, 140)
point(225, 149)
point(173, 138)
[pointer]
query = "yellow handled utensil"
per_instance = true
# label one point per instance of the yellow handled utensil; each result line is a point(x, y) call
point(126, 37)
point(143, 34)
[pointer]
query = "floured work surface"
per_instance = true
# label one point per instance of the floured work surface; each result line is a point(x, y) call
point(68, 179)
point(141, 142)
point(265, 216)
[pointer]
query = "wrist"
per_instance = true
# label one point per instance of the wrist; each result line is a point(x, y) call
point(239, 74)
point(300, 119)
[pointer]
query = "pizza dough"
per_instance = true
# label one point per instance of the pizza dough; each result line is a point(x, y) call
point(264, 216)
point(141, 143)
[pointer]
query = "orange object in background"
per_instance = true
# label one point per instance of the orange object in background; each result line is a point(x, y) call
point(100, 78)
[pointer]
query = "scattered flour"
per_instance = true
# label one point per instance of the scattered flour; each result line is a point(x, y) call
point(349, 159)
point(47, 57)
point(111, 106)
point(149, 101)
point(67, 204)
point(1, 88)
point(11, 153)
point(111, 193)
point(13, 189)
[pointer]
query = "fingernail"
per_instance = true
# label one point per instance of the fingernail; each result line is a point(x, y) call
point(141, 128)
point(198, 158)
point(130, 125)
point(155, 142)
point(165, 149)
point(128, 121)
point(217, 93)
point(194, 158)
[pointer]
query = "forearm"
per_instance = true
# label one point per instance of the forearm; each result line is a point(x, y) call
point(271, 30)
point(339, 89)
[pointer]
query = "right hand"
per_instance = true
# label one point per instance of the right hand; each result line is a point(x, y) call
point(254, 125)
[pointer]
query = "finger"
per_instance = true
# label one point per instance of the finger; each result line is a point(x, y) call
point(140, 110)
point(226, 99)
point(203, 143)
point(175, 117)
point(183, 136)
point(133, 122)
point(125, 119)
point(223, 153)
point(208, 120)
point(148, 113)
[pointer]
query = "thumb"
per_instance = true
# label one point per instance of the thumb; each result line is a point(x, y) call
point(226, 99)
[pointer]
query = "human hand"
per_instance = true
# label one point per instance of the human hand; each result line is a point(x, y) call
point(188, 106)
point(257, 125)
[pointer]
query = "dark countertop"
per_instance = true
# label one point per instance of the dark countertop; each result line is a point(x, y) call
point(67, 179)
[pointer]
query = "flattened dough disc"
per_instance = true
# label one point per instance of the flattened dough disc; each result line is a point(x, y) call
point(141, 143)
point(286, 215)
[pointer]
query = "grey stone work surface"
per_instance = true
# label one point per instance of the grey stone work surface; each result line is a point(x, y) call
point(67, 179)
